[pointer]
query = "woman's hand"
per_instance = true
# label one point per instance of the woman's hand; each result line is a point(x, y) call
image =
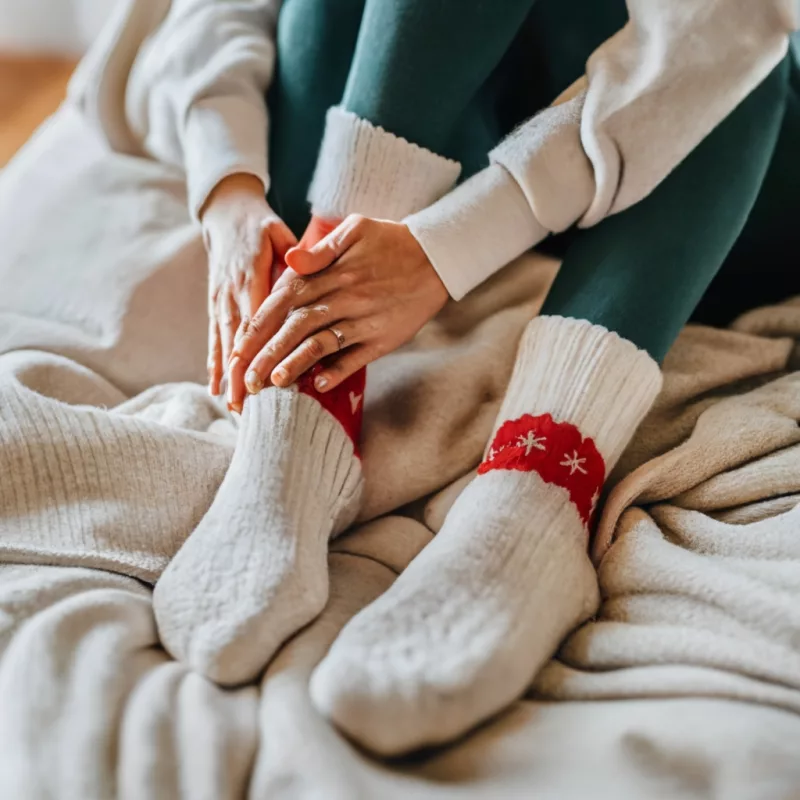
point(244, 237)
point(374, 290)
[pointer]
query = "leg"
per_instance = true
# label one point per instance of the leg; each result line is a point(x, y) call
point(642, 272)
point(471, 621)
point(254, 571)
point(315, 43)
point(762, 267)
point(418, 67)
point(333, 55)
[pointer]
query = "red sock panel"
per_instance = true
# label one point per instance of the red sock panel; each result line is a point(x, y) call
point(346, 401)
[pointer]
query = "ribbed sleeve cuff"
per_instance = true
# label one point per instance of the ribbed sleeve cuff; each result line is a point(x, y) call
point(223, 136)
point(363, 169)
point(476, 229)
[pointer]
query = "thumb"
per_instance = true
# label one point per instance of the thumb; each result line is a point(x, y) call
point(329, 248)
point(281, 237)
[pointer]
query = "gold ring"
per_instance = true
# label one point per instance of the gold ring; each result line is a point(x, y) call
point(339, 336)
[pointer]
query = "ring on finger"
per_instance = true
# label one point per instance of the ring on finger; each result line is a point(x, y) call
point(340, 337)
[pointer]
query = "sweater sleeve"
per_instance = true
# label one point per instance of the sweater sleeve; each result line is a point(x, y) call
point(195, 95)
point(650, 95)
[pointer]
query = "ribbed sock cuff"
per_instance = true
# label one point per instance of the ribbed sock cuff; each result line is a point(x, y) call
point(364, 169)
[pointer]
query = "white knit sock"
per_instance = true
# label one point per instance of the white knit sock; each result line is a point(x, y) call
point(255, 569)
point(467, 626)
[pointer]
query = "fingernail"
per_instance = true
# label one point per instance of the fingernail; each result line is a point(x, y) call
point(279, 376)
point(321, 382)
point(235, 407)
point(253, 382)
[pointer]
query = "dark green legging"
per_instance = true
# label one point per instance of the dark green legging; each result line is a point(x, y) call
point(400, 64)
point(432, 71)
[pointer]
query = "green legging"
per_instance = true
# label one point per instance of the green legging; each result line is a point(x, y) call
point(393, 62)
point(427, 70)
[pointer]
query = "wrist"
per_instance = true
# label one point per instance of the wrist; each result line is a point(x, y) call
point(438, 290)
point(239, 188)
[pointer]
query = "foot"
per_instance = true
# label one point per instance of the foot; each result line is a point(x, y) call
point(467, 626)
point(254, 571)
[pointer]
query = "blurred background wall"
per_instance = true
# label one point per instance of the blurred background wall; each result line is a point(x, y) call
point(59, 27)
point(40, 42)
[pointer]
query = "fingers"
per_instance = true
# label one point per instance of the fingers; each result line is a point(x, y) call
point(281, 237)
point(288, 294)
point(330, 247)
point(215, 362)
point(323, 343)
point(345, 365)
point(236, 387)
point(258, 283)
point(228, 320)
point(298, 326)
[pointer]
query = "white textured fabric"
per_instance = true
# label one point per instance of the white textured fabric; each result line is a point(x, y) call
point(650, 95)
point(473, 619)
point(183, 82)
point(92, 487)
point(491, 199)
point(583, 374)
point(363, 169)
point(254, 571)
point(113, 300)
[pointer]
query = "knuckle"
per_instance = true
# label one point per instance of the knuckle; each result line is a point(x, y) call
point(299, 316)
point(315, 348)
point(347, 278)
point(255, 327)
point(322, 313)
point(298, 285)
point(357, 221)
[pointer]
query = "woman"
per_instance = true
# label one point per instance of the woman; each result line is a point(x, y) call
point(410, 91)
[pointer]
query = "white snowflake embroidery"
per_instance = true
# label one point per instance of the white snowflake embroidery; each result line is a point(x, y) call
point(574, 463)
point(530, 441)
point(595, 498)
point(492, 454)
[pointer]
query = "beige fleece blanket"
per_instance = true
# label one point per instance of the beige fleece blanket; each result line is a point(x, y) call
point(686, 685)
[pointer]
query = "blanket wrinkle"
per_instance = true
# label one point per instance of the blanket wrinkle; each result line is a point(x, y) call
point(685, 685)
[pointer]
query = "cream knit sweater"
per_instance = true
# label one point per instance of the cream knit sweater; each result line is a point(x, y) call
point(197, 72)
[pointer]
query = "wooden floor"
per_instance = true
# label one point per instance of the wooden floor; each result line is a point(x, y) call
point(30, 90)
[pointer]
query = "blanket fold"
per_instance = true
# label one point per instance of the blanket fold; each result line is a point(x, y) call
point(687, 684)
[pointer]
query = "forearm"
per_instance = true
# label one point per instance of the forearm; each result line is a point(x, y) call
point(195, 97)
point(652, 93)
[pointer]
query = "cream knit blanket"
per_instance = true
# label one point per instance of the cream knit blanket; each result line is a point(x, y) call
point(106, 465)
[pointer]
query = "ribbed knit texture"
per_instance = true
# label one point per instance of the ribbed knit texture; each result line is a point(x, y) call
point(83, 486)
point(255, 570)
point(468, 625)
point(583, 374)
point(363, 169)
